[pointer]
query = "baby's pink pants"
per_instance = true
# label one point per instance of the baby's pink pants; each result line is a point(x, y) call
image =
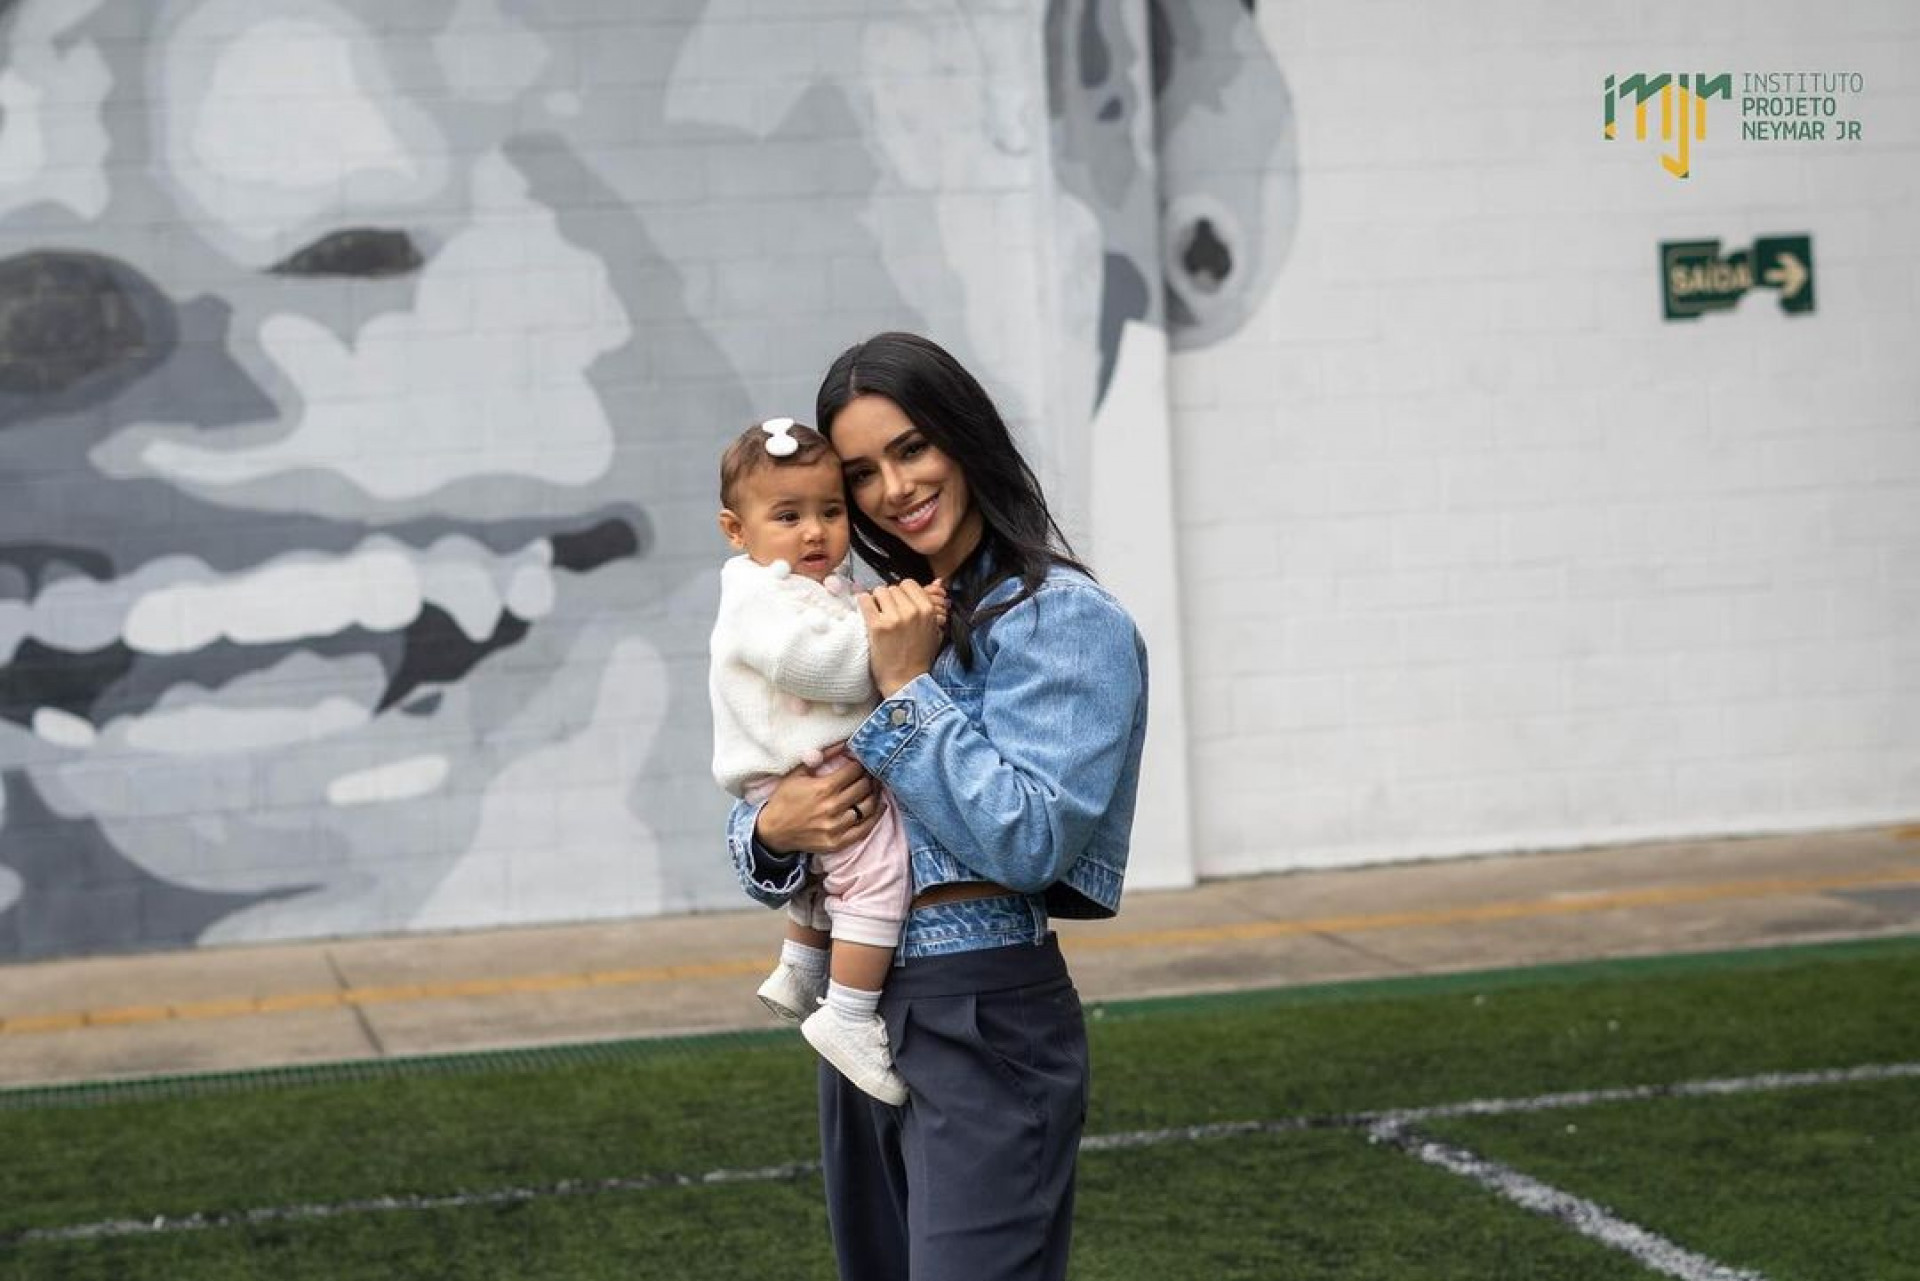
point(868, 885)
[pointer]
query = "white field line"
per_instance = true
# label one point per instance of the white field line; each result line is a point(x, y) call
point(1588, 1218)
point(1497, 1107)
point(1396, 1119)
point(1760, 1084)
point(161, 1224)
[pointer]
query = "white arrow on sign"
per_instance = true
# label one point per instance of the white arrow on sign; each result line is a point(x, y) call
point(1791, 275)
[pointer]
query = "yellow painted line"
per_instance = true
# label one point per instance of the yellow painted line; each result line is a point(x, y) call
point(1519, 909)
point(297, 1001)
point(129, 1014)
point(226, 1009)
point(383, 995)
point(1104, 940)
point(460, 988)
point(545, 983)
point(42, 1023)
point(680, 973)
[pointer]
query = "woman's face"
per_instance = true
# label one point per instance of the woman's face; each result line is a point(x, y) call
point(905, 484)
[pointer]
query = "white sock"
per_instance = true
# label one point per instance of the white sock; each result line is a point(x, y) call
point(810, 961)
point(851, 1003)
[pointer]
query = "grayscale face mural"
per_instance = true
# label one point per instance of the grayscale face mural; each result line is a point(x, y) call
point(362, 371)
point(1195, 214)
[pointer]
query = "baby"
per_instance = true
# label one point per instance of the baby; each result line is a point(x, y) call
point(789, 678)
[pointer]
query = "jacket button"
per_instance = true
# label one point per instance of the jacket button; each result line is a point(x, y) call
point(900, 714)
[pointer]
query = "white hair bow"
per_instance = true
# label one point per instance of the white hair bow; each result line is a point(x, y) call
point(779, 443)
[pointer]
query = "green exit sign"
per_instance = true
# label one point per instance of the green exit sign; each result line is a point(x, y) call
point(1695, 279)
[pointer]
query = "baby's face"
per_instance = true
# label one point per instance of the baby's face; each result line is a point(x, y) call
point(795, 514)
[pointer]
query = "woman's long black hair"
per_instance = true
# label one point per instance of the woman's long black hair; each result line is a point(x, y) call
point(953, 411)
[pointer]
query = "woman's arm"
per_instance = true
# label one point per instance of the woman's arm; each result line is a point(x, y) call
point(1017, 797)
point(805, 811)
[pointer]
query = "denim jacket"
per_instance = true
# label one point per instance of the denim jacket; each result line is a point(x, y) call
point(1021, 769)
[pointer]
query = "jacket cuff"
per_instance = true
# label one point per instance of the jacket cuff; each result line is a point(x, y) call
point(776, 874)
point(766, 877)
point(897, 721)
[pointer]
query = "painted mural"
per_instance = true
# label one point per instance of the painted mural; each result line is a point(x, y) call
point(362, 369)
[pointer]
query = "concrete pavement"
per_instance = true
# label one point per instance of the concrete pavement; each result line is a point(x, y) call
point(230, 1008)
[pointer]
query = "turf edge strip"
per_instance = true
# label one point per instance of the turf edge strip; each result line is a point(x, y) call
point(113, 1090)
point(1377, 1125)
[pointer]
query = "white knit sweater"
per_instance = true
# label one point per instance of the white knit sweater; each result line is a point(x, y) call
point(789, 671)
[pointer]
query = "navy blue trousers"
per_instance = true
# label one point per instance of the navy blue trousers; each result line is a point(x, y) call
point(973, 1179)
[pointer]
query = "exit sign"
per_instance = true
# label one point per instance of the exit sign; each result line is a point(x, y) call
point(1695, 279)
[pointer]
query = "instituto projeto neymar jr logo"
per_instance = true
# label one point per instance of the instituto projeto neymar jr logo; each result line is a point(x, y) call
point(1683, 110)
point(1774, 106)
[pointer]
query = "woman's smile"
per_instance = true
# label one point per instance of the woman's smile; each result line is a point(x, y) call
point(915, 519)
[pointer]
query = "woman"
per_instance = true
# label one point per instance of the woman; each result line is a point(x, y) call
point(1012, 743)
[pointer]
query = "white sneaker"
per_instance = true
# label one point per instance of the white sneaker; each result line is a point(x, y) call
point(859, 1051)
point(790, 994)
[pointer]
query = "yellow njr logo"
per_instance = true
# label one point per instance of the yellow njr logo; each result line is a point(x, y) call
point(1683, 110)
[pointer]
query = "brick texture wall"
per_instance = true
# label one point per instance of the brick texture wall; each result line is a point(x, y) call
point(1478, 552)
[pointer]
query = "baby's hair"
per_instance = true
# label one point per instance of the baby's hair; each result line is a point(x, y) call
point(749, 454)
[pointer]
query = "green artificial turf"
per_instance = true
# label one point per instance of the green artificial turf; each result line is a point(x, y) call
point(776, 1230)
point(1314, 1204)
point(687, 1112)
point(1821, 1183)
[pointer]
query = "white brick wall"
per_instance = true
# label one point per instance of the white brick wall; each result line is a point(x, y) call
point(1478, 551)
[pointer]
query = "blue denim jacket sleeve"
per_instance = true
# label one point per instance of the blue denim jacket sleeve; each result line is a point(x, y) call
point(766, 877)
point(1018, 796)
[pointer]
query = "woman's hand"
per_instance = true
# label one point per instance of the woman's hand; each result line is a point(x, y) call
point(906, 625)
point(819, 813)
